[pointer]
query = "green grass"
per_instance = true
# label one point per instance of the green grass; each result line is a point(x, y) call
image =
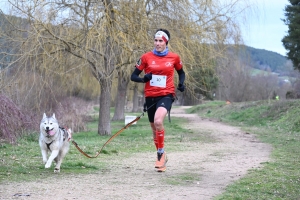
point(23, 162)
point(276, 123)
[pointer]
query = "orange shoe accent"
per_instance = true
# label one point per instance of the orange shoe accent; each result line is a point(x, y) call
point(162, 169)
point(161, 160)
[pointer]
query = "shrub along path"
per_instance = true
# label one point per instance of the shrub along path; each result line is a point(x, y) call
point(198, 169)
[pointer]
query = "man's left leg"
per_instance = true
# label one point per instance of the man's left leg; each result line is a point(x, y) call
point(161, 161)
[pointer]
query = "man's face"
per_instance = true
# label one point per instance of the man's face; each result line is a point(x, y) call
point(159, 44)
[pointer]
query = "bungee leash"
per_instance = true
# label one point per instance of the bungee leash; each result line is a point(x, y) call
point(117, 133)
point(110, 139)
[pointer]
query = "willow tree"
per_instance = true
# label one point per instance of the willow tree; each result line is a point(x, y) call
point(30, 77)
point(107, 35)
point(201, 32)
point(134, 26)
point(84, 30)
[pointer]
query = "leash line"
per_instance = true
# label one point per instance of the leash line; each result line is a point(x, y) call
point(115, 135)
point(109, 140)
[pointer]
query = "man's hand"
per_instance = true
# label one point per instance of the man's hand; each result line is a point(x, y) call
point(180, 87)
point(147, 77)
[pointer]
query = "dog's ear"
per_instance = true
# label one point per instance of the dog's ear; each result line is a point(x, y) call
point(44, 116)
point(53, 115)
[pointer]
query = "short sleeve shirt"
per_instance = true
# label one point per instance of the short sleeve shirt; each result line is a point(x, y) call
point(162, 69)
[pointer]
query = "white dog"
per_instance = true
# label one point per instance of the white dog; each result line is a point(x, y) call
point(53, 139)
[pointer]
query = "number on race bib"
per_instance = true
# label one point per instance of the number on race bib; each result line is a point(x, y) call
point(158, 81)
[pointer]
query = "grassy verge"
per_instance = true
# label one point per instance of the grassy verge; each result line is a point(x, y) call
point(23, 162)
point(276, 123)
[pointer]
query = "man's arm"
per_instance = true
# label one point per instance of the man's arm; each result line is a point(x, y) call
point(135, 76)
point(181, 75)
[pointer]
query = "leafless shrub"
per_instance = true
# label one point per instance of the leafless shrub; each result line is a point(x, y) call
point(73, 113)
point(13, 120)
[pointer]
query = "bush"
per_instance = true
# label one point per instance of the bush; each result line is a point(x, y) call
point(13, 120)
point(72, 112)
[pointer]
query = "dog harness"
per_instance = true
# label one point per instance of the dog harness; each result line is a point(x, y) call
point(65, 135)
point(48, 145)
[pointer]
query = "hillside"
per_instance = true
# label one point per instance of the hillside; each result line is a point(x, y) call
point(263, 59)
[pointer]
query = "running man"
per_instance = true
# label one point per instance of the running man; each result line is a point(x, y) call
point(158, 66)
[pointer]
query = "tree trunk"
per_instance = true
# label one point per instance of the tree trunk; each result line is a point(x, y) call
point(106, 82)
point(104, 111)
point(135, 99)
point(120, 98)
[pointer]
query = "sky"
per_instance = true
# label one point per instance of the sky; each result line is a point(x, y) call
point(266, 30)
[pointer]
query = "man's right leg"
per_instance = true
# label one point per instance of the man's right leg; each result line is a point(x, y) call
point(161, 161)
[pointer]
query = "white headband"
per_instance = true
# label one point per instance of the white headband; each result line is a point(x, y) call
point(163, 35)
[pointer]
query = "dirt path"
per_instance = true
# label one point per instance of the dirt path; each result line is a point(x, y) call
point(199, 172)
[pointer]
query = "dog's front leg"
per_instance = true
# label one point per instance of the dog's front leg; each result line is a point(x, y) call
point(51, 158)
point(44, 155)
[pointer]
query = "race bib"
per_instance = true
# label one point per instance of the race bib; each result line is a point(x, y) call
point(158, 81)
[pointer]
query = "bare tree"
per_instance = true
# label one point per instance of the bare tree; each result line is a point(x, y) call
point(107, 35)
point(238, 82)
point(120, 98)
point(86, 30)
point(264, 85)
point(234, 80)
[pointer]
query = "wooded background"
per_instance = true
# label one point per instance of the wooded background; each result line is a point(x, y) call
point(56, 55)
